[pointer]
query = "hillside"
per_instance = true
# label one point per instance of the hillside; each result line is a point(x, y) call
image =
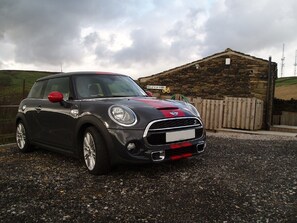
point(15, 84)
point(286, 88)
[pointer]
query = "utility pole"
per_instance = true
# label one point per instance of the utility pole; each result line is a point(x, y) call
point(283, 60)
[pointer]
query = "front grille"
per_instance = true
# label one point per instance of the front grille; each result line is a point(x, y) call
point(175, 123)
point(156, 132)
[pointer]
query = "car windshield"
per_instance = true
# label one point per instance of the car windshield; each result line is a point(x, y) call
point(102, 86)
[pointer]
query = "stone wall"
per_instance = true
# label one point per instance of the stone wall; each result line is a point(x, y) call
point(212, 79)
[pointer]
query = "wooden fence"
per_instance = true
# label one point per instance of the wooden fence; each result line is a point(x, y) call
point(235, 113)
point(286, 118)
point(243, 113)
point(211, 112)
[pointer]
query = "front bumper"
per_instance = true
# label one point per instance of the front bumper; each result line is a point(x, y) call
point(144, 152)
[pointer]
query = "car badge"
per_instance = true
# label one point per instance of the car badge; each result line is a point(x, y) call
point(173, 113)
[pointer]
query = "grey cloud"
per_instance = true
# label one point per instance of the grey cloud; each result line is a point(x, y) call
point(39, 33)
point(102, 51)
point(148, 45)
point(91, 40)
point(146, 48)
point(95, 44)
point(47, 32)
point(250, 25)
point(186, 34)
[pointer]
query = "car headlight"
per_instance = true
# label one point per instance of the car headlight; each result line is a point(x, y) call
point(122, 115)
point(192, 109)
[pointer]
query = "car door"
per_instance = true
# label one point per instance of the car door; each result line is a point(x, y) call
point(56, 119)
point(32, 106)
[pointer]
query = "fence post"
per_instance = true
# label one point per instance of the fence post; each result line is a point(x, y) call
point(24, 87)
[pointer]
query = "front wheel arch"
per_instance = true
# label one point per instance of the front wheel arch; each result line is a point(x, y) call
point(85, 123)
point(95, 152)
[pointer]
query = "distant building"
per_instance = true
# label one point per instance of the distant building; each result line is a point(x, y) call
point(228, 73)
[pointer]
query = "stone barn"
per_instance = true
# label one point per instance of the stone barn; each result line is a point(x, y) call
point(225, 74)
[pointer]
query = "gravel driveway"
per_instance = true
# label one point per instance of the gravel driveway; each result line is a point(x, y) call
point(239, 178)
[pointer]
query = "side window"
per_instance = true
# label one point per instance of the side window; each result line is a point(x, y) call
point(36, 90)
point(58, 84)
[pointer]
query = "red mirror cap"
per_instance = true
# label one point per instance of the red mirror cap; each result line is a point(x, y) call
point(150, 94)
point(55, 96)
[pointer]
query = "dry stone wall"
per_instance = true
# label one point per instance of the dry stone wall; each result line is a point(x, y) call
point(213, 79)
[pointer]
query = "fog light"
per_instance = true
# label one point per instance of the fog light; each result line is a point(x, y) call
point(134, 147)
point(131, 146)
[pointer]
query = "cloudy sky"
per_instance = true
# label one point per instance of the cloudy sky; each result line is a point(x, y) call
point(142, 37)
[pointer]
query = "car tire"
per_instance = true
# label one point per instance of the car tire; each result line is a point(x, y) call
point(22, 138)
point(94, 152)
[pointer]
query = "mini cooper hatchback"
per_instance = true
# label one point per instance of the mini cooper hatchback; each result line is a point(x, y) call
point(106, 119)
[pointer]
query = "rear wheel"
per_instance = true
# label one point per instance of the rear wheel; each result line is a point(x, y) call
point(95, 153)
point(22, 138)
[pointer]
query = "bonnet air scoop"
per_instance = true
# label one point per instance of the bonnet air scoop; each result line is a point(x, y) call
point(167, 108)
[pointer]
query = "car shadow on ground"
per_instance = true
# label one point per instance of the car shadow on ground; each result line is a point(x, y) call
point(150, 170)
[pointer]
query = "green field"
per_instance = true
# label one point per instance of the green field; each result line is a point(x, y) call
point(285, 81)
point(286, 88)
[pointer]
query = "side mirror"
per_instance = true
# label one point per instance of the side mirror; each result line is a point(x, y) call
point(55, 96)
point(150, 94)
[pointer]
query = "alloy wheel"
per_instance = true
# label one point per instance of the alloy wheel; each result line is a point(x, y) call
point(89, 149)
point(21, 136)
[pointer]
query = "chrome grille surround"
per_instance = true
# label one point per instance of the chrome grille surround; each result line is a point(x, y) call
point(162, 126)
